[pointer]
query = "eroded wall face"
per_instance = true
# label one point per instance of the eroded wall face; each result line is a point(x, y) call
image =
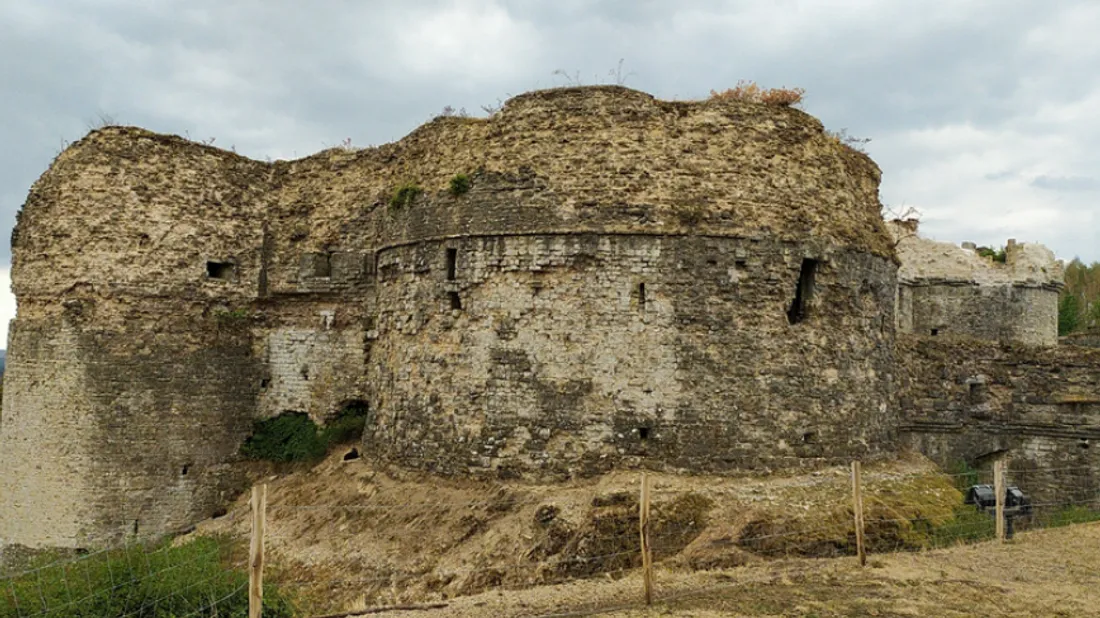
point(565, 354)
point(1020, 314)
point(316, 368)
point(136, 425)
point(974, 401)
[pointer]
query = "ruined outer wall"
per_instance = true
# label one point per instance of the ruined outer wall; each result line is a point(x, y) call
point(598, 189)
point(557, 364)
point(969, 401)
point(554, 364)
point(946, 290)
point(992, 312)
point(128, 393)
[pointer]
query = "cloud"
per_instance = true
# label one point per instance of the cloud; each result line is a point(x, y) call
point(982, 113)
point(1066, 183)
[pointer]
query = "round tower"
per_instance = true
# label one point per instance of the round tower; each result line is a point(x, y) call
point(704, 285)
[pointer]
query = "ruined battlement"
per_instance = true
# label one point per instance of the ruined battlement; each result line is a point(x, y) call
point(949, 290)
point(617, 281)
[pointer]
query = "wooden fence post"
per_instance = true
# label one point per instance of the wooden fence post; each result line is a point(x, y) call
point(999, 489)
point(256, 552)
point(857, 509)
point(643, 530)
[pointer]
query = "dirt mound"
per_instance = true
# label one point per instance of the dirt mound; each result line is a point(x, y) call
point(349, 533)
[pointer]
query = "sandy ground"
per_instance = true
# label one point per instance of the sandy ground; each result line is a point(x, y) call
point(1042, 573)
point(347, 535)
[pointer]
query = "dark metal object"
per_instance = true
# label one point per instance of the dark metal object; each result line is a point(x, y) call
point(984, 497)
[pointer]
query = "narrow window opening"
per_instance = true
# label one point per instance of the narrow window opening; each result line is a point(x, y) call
point(219, 270)
point(935, 331)
point(456, 300)
point(304, 372)
point(185, 470)
point(643, 433)
point(712, 262)
point(135, 527)
point(742, 264)
point(322, 265)
point(452, 264)
point(803, 294)
point(977, 392)
point(641, 297)
point(809, 438)
point(264, 383)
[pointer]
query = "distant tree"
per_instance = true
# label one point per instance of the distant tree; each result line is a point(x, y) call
point(1069, 314)
point(1079, 306)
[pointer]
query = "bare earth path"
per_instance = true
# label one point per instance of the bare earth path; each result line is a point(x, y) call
point(1043, 573)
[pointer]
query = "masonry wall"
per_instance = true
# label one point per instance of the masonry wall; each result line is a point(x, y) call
point(138, 424)
point(170, 294)
point(1009, 313)
point(972, 401)
point(553, 360)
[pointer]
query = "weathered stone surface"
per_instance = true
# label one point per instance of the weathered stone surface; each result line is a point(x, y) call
point(705, 286)
point(172, 293)
point(945, 290)
point(972, 401)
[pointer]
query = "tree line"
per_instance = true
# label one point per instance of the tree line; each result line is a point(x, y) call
point(1079, 304)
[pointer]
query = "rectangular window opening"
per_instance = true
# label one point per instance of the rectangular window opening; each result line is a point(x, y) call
point(935, 331)
point(322, 265)
point(804, 293)
point(641, 297)
point(219, 270)
point(456, 300)
point(452, 264)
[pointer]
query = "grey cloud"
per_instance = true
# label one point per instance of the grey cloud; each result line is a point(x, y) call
point(1066, 183)
point(279, 78)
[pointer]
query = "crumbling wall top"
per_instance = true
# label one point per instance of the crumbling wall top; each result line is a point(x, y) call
point(925, 261)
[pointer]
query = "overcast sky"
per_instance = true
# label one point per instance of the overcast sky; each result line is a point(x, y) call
point(984, 115)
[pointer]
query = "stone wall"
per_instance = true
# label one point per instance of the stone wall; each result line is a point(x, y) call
point(1086, 339)
point(565, 355)
point(992, 312)
point(170, 294)
point(109, 433)
point(947, 290)
point(972, 401)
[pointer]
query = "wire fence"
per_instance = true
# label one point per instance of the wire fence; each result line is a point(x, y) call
point(395, 550)
point(137, 578)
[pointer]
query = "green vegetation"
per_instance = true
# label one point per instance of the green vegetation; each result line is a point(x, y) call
point(969, 525)
point(460, 184)
point(998, 255)
point(405, 194)
point(1079, 305)
point(293, 436)
point(154, 580)
point(1067, 517)
point(232, 315)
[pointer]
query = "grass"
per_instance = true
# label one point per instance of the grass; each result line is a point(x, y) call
point(405, 194)
point(460, 185)
point(752, 92)
point(147, 580)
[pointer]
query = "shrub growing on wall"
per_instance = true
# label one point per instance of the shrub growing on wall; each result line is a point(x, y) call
point(291, 436)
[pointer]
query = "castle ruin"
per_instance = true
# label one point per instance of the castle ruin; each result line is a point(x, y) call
point(627, 281)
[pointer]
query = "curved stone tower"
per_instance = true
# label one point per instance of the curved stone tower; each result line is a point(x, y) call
point(702, 285)
point(946, 290)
